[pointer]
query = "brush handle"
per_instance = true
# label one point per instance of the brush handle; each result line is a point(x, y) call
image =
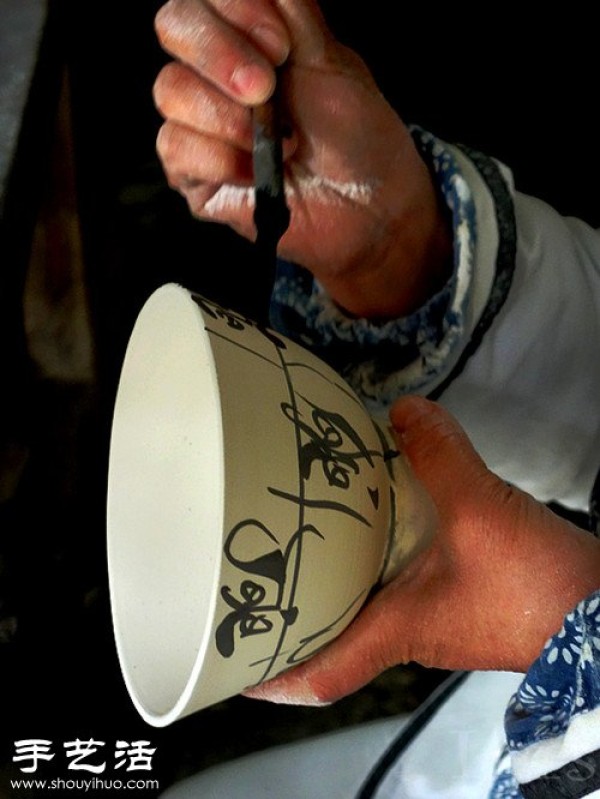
point(271, 213)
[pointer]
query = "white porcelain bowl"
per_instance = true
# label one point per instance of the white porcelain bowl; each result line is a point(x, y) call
point(252, 505)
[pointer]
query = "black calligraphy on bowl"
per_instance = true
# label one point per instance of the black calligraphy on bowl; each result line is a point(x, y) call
point(327, 444)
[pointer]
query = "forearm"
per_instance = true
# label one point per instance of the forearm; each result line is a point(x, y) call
point(544, 582)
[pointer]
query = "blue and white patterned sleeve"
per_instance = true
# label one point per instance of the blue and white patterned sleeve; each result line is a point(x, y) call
point(422, 352)
point(553, 721)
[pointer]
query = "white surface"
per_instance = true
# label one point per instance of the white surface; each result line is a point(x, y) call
point(165, 504)
point(452, 758)
point(249, 506)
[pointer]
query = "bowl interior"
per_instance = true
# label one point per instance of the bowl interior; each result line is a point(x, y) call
point(165, 504)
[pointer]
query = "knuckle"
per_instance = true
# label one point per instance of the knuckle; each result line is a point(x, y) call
point(324, 689)
point(382, 655)
point(168, 145)
point(165, 86)
point(164, 18)
point(163, 141)
point(160, 94)
point(160, 21)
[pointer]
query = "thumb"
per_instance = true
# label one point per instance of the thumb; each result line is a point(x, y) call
point(439, 451)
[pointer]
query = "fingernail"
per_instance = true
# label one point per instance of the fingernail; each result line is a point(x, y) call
point(252, 83)
point(271, 42)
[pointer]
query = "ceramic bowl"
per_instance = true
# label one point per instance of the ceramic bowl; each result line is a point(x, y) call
point(253, 504)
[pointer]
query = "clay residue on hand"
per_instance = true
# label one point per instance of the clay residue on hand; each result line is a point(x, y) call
point(321, 189)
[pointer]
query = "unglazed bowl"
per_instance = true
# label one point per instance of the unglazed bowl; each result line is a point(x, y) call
point(253, 504)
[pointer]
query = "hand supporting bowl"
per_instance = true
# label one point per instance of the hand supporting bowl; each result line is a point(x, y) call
point(253, 504)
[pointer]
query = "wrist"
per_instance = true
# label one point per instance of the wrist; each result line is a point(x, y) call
point(559, 574)
point(410, 264)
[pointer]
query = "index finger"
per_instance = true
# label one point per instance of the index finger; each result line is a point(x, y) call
point(231, 43)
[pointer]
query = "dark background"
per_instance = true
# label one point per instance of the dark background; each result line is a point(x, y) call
point(524, 92)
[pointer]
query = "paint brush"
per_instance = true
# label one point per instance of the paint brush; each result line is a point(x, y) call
point(271, 213)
